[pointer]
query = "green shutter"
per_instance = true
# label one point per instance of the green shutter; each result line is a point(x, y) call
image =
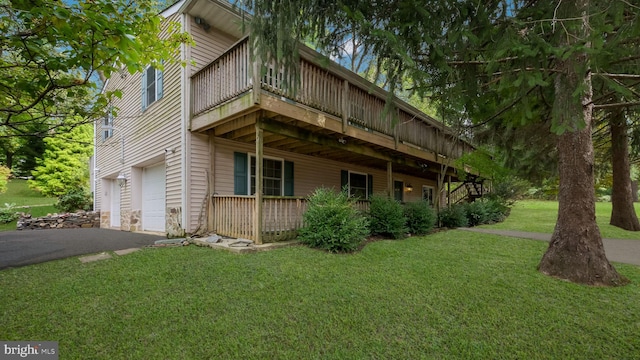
point(344, 179)
point(288, 178)
point(240, 174)
point(369, 185)
point(144, 89)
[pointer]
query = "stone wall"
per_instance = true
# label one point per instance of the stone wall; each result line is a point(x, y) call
point(60, 221)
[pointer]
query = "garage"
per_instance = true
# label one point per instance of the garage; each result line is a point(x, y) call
point(153, 198)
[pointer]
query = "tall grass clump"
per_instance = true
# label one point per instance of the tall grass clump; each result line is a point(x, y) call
point(386, 217)
point(332, 222)
point(420, 217)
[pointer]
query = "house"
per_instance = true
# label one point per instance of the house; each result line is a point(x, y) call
point(220, 146)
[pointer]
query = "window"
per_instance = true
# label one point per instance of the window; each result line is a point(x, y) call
point(277, 176)
point(107, 125)
point(427, 194)
point(360, 185)
point(151, 86)
point(271, 176)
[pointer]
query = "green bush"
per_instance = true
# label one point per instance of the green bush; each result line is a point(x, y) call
point(496, 211)
point(386, 217)
point(476, 213)
point(420, 217)
point(8, 213)
point(4, 178)
point(485, 211)
point(73, 200)
point(332, 223)
point(453, 216)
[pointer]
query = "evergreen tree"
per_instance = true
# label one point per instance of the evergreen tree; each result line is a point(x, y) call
point(518, 62)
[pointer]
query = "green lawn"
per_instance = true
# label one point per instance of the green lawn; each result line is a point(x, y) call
point(541, 216)
point(451, 295)
point(19, 193)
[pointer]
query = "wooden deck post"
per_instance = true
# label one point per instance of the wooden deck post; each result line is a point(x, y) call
point(256, 77)
point(345, 106)
point(257, 220)
point(210, 184)
point(390, 179)
point(449, 190)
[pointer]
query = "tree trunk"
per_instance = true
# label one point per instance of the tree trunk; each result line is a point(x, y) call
point(9, 158)
point(575, 252)
point(623, 214)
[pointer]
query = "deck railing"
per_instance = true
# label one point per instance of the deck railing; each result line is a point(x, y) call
point(223, 79)
point(334, 91)
point(281, 216)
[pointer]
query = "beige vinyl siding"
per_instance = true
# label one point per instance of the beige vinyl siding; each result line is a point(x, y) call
point(209, 45)
point(198, 168)
point(146, 134)
point(309, 172)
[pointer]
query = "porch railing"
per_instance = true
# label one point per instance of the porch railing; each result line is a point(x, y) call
point(333, 90)
point(281, 216)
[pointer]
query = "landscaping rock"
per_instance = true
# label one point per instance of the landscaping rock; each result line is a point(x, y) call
point(81, 219)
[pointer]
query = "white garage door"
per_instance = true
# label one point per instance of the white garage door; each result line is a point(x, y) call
point(153, 198)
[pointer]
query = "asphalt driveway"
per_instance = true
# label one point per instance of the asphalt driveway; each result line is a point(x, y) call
point(26, 247)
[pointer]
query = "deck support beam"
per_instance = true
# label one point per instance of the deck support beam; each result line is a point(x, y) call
point(390, 179)
point(257, 220)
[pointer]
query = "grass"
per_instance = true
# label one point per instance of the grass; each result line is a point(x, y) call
point(18, 192)
point(541, 216)
point(451, 295)
point(31, 201)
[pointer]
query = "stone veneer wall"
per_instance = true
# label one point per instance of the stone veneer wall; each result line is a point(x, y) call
point(173, 218)
point(105, 219)
point(80, 219)
point(136, 220)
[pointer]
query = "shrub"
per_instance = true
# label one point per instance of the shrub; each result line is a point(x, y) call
point(509, 189)
point(386, 217)
point(496, 211)
point(453, 216)
point(8, 213)
point(420, 217)
point(476, 213)
point(332, 223)
point(4, 178)
point(73, 200)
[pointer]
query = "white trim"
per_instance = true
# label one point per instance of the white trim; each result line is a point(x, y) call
point(184, 123)
point(281, 160)
point(366, 182)
point(433, 193)
point(172, 9)
point(95, 165)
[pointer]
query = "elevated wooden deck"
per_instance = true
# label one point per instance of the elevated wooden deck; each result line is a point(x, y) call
point(332, 108)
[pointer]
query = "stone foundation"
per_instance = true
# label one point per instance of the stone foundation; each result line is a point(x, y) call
point(91, 219)
point(136, 220)
point(105, 219)
point(174, 227)
point(125, 220)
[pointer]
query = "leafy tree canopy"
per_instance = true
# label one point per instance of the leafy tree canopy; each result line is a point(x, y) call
point(65, 163)
point(51, 53)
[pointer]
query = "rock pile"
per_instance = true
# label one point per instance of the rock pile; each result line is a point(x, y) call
point(81, 219)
